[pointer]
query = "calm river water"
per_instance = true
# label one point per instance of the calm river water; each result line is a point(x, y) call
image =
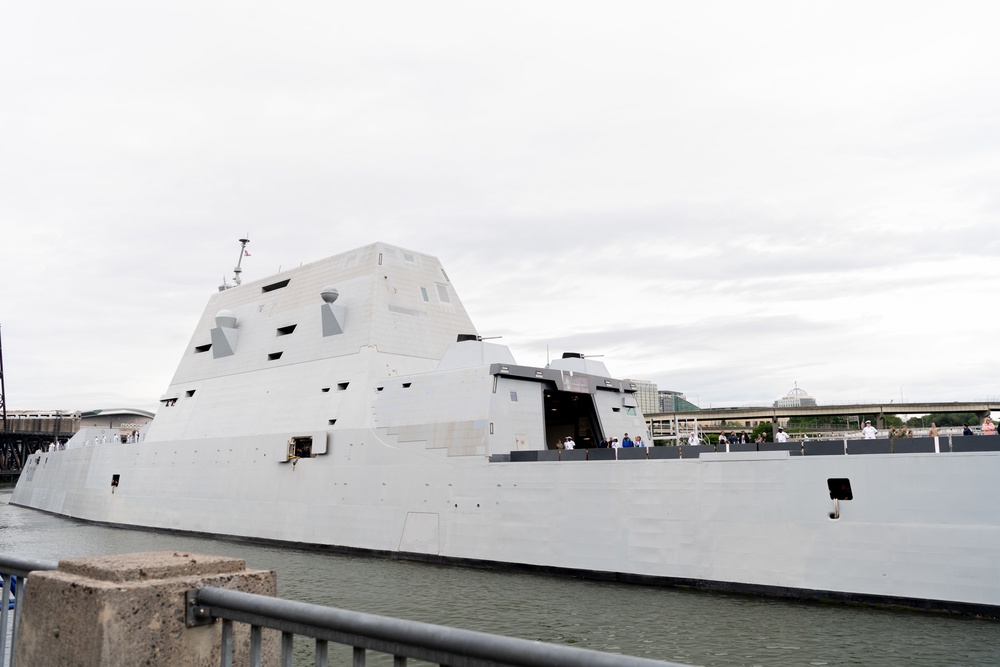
point(682, 626)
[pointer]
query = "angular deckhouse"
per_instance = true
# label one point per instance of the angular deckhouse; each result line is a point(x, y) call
point(350, 404)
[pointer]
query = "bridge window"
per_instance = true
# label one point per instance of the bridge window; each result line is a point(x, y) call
point(274, 286)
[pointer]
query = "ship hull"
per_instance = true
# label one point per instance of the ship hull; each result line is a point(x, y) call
point(920, 531)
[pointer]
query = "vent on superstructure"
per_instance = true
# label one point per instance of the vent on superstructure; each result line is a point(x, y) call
point(406, 385)
point(616, 409)
point(274, 356)
point(331, 422)
point(273, 286)
point(325, 390)
point(189, 393)
point(202, 348)
point(284, 331)
point(342, 386)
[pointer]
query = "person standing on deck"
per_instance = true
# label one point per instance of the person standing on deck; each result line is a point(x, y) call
point(869, 431)
point(781, 436)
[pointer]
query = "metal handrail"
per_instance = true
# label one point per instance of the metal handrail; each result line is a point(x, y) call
point(14, 571)
point(397, 637)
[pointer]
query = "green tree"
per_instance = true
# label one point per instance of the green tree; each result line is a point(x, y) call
point(944, 419)
point(762, 427)
point(890, 420)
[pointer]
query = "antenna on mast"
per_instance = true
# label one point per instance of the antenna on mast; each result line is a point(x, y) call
point(237, 280)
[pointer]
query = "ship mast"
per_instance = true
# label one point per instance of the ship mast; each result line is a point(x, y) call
point(237, 280)
point(237, 271)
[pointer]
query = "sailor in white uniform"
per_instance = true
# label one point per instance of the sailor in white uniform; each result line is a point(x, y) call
point(869, 431)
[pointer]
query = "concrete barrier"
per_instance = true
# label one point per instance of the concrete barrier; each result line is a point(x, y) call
point(113, 611)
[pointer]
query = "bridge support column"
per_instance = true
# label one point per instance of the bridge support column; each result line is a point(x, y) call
point(113, 611)
point(880, 420)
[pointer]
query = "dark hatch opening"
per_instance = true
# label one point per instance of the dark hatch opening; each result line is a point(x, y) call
point(840, 489)
point(573, 414)
point(300, 447)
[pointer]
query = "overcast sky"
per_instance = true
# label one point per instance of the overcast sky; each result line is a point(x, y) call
point(725, 198)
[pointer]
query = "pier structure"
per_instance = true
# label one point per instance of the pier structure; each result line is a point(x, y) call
point(194, 610)
point(713, 420)
point(27, 432)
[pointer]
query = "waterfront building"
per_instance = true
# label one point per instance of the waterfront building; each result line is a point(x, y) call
point(795, 398)
point(674, 401)
point(646, 395)
point(125, 420)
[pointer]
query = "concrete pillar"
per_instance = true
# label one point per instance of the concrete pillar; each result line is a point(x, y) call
point(113, 611)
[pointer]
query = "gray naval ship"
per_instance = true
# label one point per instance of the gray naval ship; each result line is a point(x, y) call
point(350, 405)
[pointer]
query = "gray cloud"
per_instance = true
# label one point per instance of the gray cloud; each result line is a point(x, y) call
point(722, 202)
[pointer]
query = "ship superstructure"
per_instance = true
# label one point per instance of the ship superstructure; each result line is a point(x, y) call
point(351, 404)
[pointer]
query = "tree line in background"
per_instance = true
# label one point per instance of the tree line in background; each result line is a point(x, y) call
point(940, 419)
point(803, 424)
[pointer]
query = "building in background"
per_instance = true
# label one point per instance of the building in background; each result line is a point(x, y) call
point(646, 395)
point(674, 401)
point(125, 420)
point(795, 398)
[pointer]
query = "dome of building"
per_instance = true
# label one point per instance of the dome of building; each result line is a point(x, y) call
point(795, 398)
point(797, 393)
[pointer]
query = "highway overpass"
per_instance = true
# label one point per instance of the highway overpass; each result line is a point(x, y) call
point(712, 419)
